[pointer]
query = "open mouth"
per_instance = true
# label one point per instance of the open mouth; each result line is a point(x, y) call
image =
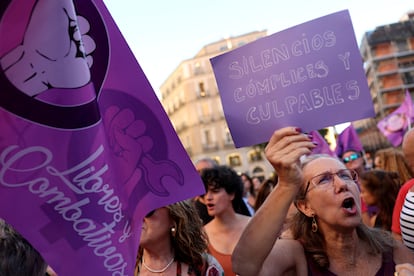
point(349, 204)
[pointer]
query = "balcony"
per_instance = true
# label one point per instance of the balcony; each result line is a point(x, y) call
point(393, 55)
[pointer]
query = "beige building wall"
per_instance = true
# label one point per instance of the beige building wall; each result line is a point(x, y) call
point(191, 99)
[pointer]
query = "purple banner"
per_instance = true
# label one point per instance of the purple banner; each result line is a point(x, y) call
point(394, 126)
point(310, 76)
point(86, 149)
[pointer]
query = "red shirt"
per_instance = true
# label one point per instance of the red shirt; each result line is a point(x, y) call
point(399, 202)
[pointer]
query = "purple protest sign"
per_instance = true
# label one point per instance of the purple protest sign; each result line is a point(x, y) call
point(86, 149)
point(310, 76)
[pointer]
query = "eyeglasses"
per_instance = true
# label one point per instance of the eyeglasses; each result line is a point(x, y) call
point(327, 178)
point(150, 214)
point(350, 158)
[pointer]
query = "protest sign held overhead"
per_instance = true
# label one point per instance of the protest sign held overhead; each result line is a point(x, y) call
point(86, 149)
point(310, 76)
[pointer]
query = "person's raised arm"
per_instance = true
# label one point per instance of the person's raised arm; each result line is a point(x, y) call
point(283, 151)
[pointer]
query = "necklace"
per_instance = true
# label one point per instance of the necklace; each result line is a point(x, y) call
point(157, 270)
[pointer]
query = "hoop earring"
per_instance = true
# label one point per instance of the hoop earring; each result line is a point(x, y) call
point(173, 231)
point(314, 225)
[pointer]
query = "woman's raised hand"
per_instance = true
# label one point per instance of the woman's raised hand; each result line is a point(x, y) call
point(284, 150)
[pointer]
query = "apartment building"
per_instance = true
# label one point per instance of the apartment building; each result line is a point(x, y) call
point(191, 99)
point(388, 53)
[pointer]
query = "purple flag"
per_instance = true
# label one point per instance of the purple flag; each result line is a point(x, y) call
point(348, 140)
point(310, 76)
point(322, 146)
point(86, 149)
point(394, 126)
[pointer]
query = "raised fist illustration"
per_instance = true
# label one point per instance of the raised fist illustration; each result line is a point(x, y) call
point(55, 51)
point(127, 139)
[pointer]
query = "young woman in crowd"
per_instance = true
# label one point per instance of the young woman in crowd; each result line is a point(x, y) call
point(393, 160)
point(267, 186)
point(380, 188)
point(223, 199)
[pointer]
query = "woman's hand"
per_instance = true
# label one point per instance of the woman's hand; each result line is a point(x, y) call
point(284, 150)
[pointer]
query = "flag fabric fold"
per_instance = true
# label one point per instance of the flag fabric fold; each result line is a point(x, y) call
point(348, 140)
point(322, 146)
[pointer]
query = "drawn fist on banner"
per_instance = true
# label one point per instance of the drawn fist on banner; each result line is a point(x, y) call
point(58, 56)
point(127, 140)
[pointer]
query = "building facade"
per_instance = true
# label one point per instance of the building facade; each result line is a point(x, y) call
point(388, 53)
point(191, 99)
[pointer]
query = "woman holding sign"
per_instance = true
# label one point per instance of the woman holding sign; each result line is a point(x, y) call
point(329, 237)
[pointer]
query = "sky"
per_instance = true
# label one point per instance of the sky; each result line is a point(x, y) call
point(162, 34)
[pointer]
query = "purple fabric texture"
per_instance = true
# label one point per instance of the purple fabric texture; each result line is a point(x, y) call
point(322, 146)
point(348, 140)
point(310, 76)
point(394, 126)
point(86, 149)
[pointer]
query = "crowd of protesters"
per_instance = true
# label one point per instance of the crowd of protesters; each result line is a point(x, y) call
point(319, 215)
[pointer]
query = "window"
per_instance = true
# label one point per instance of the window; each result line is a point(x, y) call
point(201, 89)
point(204, 112)
point(408, 77)
point(198, 69)
point(406, 63)
point(234, 160)
point(255, 155)
point(223, 48)
point(402, 45)
point(227, 137)
point(207, 137)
